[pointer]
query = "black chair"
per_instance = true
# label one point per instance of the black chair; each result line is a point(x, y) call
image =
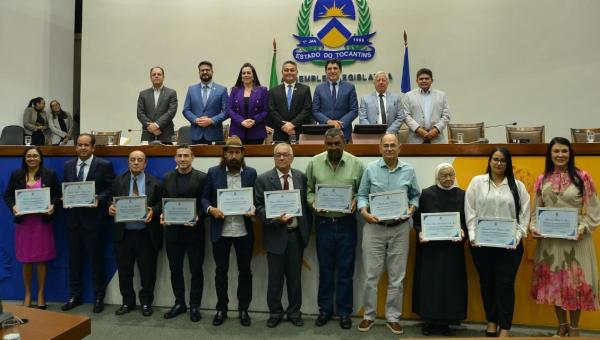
point(12, 135)
point(183, 135)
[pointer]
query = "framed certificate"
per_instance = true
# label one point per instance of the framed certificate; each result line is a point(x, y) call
point(283, 202)
point(557, 222)
point(235, 201)
point(179, 210)
point(496, 232)
point(389, 205)
point(130, 208)
point(78, 194)
point(333, 197)
point(440, 226)
point(32, 201)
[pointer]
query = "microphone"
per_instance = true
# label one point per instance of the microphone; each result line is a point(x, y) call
point(498, 125)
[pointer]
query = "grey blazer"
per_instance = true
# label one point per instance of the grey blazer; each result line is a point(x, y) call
point(29, 121)
point(440, 115)
point(162, 114)
point(368, 111)
point(55, 131)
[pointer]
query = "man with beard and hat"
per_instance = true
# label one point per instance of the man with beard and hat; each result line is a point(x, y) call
point(228, 231)
point(336, 231)
point(205, 107)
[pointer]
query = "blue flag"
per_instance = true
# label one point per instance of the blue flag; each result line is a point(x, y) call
point(405, 84)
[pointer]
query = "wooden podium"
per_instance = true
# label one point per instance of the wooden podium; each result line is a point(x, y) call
point(50, 325)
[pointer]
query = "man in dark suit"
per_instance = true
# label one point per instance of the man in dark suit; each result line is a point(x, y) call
point(227, 231)
point(86, 226)
point(284, 237)
point(156, 108)
point(290, 104)
point(185, 182)
point(335, 101)
point(137, 241)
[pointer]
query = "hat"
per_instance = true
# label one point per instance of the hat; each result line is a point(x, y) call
point(233, 142)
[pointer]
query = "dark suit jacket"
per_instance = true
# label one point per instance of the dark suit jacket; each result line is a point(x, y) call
point(274, 233)
point(17, 181)
point(345, 108)
point(257, 110)
point(153, 191)
point(300, 111)
point(102, 173)
point(180, 233)
point(217, 179)
point(162, 114)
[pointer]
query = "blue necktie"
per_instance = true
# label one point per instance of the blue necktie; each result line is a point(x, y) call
point(334, 92)
point(289, 97)
point(204, 94)
point(80, 173)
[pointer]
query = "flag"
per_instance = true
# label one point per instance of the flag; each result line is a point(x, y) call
point(405, 84)
point(274, 81)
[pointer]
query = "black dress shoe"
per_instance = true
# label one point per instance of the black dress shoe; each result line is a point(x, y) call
point(147, 310)
point(273, 321)
point(174, 311)
point(322, 320)
point(427, 329)
point(195, 314)
point(345, 322)
point(219, 318)
point(98, 306)
point(296, 321)
point(72, 303)
point(445, 330)
point(244, 318)
point(124, 309)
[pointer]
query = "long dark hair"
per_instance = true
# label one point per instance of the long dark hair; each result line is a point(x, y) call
point(24, 166)
point(509, 174)
point(238, 82)
point(571, 168)
point(33, 102)
point(62, 114)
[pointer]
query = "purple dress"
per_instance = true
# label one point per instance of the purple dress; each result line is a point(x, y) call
point(34, 237)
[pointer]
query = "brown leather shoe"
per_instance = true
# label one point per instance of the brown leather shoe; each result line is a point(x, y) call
point(365, 325)
point(395, 327)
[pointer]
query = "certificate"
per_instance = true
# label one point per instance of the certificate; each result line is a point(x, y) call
point(389, 205)
point(282, 202)
point(32, 201)
point(496, 232)
point(440, 226)
point(557, 222)
point(179, 210)
point(333, 198)
point(78, 194)
point(235, 201)
point(130, 208)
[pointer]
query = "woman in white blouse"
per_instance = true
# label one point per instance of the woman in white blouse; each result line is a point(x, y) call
point(497, 194)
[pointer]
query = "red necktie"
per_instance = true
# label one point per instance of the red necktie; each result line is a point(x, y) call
point(286, 184)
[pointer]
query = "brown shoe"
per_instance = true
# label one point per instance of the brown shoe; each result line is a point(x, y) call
point(365, 325)
point(395, 327)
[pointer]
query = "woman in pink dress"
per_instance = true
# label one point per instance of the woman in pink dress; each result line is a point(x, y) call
point(34, 235)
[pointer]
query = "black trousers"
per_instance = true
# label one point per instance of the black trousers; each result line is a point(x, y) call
point(286, 266)
point(84, 243)
point(176, 253)
point(243, 253)
point(136, 246)
point(497, 269)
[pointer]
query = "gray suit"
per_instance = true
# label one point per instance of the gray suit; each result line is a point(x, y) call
point(162, 114)
point(368, 111)
point(415, 118)
point(285, 248)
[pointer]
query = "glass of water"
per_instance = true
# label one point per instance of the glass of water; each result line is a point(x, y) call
point(28, 140)
point(293, 139)
point(110, 140)
point(11, 330)
point(460, 138)
point(591, 136)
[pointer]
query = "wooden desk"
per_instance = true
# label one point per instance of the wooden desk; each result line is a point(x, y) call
point(50, 325)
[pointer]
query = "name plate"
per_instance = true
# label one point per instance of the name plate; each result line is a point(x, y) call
point(32, 201)
point(179, 210)
point(130, 208)
point(78, 194)
point(234, 202)
point(557, 222)
point(333, 197)
point(282, 202)
point(390, 205)
point(496, 232)
point(440, 226)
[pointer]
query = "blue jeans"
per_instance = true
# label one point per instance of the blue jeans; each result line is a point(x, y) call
point(336, 245)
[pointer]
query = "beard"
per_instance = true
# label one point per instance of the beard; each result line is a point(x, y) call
point(206, 78)
point(234, 164)
point(334, 154)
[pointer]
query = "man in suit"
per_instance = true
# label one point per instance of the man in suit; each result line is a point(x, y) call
point(290, 104)
point(228, 231)
point(205, 107)
point(427, 112)
point(86, 225)
point(156, 108)
point(382, 106)
point(137, 241)
point(335, 102)
point(185, 182)
point(284, 237)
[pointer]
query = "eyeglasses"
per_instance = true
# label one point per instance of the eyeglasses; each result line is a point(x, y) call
point(34, 156)
point(282, 154)
point(499, 160)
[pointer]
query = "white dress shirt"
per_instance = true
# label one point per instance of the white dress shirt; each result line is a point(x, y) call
point(157, 92)
point(86, 170)
point(234, 226)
